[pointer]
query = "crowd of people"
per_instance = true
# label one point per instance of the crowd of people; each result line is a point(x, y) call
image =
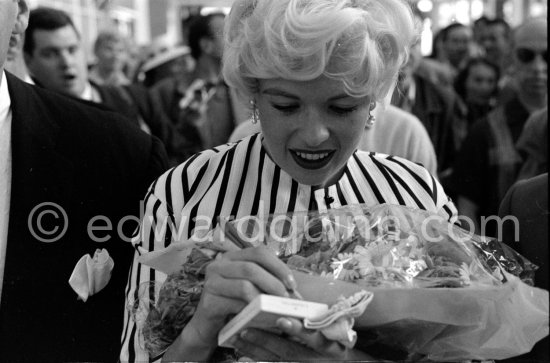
point(283, 105)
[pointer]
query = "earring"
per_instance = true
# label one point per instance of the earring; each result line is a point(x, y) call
point(372, 119)
point(255, 112)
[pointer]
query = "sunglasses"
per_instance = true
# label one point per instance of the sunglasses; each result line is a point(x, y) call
point(528, 55)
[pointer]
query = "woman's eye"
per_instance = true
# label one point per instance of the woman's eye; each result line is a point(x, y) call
point(285, 108)
point(340, 110)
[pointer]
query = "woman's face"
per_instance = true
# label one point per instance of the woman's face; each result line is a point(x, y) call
point(480, 84)
point(311, 128)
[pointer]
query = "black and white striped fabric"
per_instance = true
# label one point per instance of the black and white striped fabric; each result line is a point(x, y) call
point(240, 180)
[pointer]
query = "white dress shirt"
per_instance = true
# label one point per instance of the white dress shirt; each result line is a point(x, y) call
point(5, 171)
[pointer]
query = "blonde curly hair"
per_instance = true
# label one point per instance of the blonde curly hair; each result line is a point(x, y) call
point(363, 43)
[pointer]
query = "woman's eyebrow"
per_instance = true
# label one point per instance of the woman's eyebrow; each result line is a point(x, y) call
point(279, 92)
point(339, 97)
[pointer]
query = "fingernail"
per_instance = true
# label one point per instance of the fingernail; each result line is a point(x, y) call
point(290, 282)
point(284, 323)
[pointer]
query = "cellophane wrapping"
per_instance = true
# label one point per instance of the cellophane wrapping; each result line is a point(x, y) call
point(440, 293)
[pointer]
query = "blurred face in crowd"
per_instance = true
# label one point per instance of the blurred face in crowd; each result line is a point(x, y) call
point(13, 20)
point(182, 65)
point(493, 39)
point(531, 57)
point(57, 61)
point(457, 44)
point(478, 29)
point(480, 84)
point(214, 45)
point(310, 128)
point(111, 55)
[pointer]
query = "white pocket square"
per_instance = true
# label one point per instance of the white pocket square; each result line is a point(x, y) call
point(91, 274)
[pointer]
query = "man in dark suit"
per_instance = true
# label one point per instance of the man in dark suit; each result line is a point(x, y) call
point(55, 59)
point(527, 200)
point(72, 175)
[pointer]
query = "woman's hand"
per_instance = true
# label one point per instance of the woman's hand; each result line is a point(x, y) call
point(299, 344)
point(232, 281)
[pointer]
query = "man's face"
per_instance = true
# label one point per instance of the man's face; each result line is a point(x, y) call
point(457, 44)
point(531, 57)
point(57, 61)
point(216, 27)
point(494, 41)
point(8, 13)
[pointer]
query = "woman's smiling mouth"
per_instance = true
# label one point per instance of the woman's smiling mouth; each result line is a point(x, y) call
point(312, 160)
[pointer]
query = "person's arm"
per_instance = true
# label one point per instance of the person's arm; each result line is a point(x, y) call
point(300, 344)
point(232, 282)
point(191, 345)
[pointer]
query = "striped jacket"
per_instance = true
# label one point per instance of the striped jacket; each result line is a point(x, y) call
point(240, 179)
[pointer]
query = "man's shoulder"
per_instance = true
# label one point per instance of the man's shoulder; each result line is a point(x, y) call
point(68, 110)
point(521, 197)
point(82, 121)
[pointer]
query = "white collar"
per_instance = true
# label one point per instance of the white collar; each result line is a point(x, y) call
point(90, 94)
point(87, 94)
point(5, 100)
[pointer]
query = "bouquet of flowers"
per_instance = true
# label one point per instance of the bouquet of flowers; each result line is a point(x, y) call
point(439, 291)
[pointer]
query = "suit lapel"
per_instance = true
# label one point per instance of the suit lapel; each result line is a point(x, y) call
point(39, 170)
point(39, 174)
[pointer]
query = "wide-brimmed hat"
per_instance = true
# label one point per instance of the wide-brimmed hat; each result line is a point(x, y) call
point(165, 57)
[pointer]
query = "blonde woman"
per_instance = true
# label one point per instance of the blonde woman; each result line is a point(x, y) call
point(312, 71)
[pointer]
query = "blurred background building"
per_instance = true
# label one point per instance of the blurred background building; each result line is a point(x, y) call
point(162, 22)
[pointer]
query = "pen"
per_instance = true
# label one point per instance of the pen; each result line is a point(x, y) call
point(295, 294)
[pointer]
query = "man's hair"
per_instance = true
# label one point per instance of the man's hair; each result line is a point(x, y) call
point(44, 18)
point(500, 22)
point(445, 31)
point(199, 28)
point(482, 20)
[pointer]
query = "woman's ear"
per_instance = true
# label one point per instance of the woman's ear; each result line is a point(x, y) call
point(22, 17)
